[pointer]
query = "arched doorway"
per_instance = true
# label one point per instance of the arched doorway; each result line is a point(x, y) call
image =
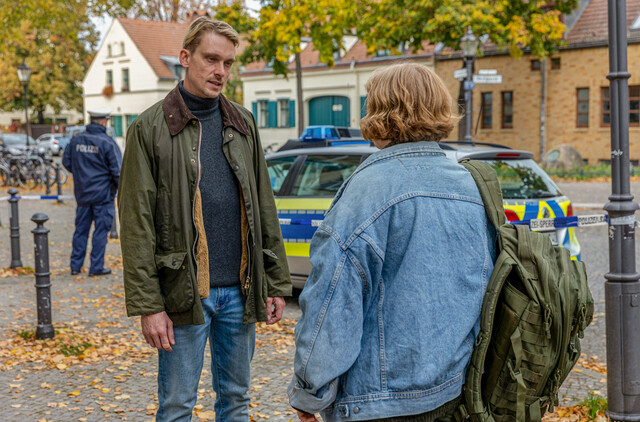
point(329, 110)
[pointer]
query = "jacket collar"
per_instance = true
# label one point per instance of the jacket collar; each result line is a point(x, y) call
point(177, 114)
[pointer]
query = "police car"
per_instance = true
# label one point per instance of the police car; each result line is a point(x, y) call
point(305, 180)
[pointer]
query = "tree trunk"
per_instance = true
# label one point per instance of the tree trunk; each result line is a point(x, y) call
point(299, 93)
point(40, 117)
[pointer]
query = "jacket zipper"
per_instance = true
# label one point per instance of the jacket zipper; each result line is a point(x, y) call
point(195, 192)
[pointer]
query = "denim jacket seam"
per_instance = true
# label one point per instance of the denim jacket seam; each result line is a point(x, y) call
point(401, 198)
point(383, 357)
point(333, 234)
point(400, 394)
point(371, 242)
point(359, 268)
point(322, 313)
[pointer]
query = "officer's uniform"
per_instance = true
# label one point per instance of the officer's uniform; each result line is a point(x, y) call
point(94, 159)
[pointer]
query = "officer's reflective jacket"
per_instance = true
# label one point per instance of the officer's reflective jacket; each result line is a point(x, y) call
point(94, 159)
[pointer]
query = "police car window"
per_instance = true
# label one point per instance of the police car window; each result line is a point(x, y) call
point(278, 170)
point(322, 175)
point(523, 179)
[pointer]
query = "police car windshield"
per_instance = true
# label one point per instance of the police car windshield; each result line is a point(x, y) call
point(523, 179)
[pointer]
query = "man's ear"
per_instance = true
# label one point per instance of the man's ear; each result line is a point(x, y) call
point(185, 56)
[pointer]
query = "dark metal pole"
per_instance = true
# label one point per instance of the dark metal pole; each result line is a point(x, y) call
point(47, 182)
point(113, 233)
point(43, 277)
point(26, 112)
point(59, 183)
point(14, 224)
point(622, 288)
point(468, 97)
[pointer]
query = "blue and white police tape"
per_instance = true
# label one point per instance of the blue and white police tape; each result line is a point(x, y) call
point(54, 197)
point(299, 222)
point(541, 224)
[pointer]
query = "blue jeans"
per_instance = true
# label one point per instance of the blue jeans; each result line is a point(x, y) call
point(232, 345)
point(102, 215)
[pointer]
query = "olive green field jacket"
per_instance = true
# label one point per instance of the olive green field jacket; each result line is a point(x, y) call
point(164, 248)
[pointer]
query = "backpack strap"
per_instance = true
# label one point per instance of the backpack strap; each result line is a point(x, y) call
point(487, 181)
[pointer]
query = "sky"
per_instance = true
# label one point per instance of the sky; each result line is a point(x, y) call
point(104, 22)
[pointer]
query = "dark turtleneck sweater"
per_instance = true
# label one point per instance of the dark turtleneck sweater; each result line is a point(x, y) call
point(220, 194)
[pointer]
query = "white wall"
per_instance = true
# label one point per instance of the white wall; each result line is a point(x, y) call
point(346, 81)
point(145, 88)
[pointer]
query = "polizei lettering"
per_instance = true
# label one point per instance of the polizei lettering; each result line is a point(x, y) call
point(91, 149)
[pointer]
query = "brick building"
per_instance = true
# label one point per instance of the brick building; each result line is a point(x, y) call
point(576, 90)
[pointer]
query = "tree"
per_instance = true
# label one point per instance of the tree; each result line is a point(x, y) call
point(167, 10)
point(510, 24)
point(284, 25)
point(57, 40)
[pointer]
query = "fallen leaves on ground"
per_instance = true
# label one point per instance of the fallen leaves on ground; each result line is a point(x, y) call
point(591, 363)
point(15, 272)
point(573, 414)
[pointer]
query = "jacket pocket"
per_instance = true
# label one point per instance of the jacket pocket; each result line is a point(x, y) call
point(175, 283)
point(162, 219)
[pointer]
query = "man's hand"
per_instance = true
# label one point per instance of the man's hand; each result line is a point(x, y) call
point(275, 306)
point(157, 330)
point(306, 417)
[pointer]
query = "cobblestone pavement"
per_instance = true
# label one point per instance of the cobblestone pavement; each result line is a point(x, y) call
point(115, 379)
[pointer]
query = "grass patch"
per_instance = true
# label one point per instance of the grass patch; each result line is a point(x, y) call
point(594, 405)
point(589, 172)
point(27, 334)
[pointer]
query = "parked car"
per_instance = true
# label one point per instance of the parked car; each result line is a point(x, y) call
point(71, 131)
point(305, 180)
point(51, 143)
point(16, 143)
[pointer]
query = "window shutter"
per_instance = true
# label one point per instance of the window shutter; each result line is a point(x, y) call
point(363, 106)
point(254, 106)
point(292, 113)
point(117, 125)
point(273, 114)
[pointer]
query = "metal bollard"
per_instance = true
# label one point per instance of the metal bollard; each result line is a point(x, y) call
point(43, 279)
point(59, 183)
point(14, 224)
point(113, 233)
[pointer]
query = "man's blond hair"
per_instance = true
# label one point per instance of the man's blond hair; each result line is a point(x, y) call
point(407, 103)
point(201, 26)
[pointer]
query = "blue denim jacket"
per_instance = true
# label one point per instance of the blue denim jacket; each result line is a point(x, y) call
point(391, 308)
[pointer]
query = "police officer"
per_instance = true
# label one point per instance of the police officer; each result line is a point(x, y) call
point(94, 159)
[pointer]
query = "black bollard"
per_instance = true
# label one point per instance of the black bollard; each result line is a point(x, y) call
point(59, 183)
point(113, 233)
point(43, 279)
point(14, 224)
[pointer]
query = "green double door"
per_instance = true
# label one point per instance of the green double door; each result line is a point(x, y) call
point(329, 110)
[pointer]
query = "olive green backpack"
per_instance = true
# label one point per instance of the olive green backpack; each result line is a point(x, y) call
point(534, 312)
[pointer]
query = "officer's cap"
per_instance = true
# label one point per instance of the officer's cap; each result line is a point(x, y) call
point(99, 113)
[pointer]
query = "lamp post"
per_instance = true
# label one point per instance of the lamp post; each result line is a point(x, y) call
point(24, 74)
point(469, 45)
point(622, 285)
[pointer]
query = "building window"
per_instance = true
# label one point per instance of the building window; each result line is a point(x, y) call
point(487, 110)
point(109, 51)
point(116, 123)
point(129, 119)
point(283, 113)
point(263, 114)
point(507, 109)
point(125, 80)
point(382, 53)
point(605, 109)
point(109, 80)
point(582, 107)
point(634, 105)
point(555, 63)
point(535, 64)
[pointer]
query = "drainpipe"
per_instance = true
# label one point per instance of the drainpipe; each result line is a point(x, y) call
point(543, 107)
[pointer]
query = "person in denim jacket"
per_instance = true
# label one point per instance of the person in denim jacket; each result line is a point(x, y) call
point(391, 309)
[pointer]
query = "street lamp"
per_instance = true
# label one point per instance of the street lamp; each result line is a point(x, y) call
point(24, 74)
point(469, 45)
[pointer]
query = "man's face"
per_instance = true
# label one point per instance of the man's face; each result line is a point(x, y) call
point(208, 67)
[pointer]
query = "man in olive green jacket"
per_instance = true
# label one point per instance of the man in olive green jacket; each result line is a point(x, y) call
point(163, 214)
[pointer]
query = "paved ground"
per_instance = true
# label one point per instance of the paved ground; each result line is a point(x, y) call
point(114, 378)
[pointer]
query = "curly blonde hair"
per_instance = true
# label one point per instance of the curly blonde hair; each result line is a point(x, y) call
point(407, 103)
